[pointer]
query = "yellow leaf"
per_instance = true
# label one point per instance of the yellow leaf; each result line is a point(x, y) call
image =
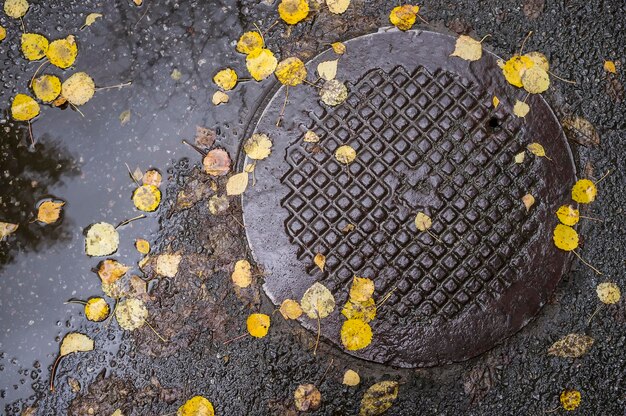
point(258, 146)
point(75, 342)
point(570, 399)
point(403, 17)
point(337, 6)
point(320, 261)
point(333, 92)
point(328, 69)
point(219, 97)
point(250, 42)
point(528, 200)
point(468, 48)
point(62, 52)
point(311, 137)
point(34, 46)
point(339, 48)
point(423, 222)
point(362, 289)
point(565, 238)
point(535, 80)
point(6, 229)
point(237, 184)
point(111, 271)
point(379, 398)
point(495, 101)
point(24, 107)
point(79, 88)
point(307, 397)
point(568, 215)
point(290, 309)
point(539, 59)
point(351, 378)
point(131, 314)
point(152, 177)
point(3, 33)
point(142, 246)
point(355, 334)
point(47, 87)
point(102, 239)
point(167, 264)
point(147, 198)
point(96, 309)
point(91, 19)
point(115, 290)
point(226, 79)
point(218, 204)
point(242, 275)
point(261, 64)
point(258, 324)
point(365, 311)
point(520, 108)
point(196, 406)
point(609, 66)
point(345, 154)
point(317, 301)
point(293, 11)
point(571, 346)
point(49, 211)
point(515, 67)
point(537, 150)
point(291, 72)
point(608, 293)
point(584, 191)
point(15, 8)
point(519, 158)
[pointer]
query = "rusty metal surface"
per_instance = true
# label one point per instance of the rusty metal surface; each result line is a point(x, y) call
point(428, 139)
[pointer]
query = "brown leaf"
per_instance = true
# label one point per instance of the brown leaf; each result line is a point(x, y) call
point(205, 137)
point(571, 346)
point(581, 131)
point(217, 162)
point(533, 8)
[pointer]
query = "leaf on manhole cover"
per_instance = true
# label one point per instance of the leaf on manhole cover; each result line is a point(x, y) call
point(320, 261)
point(468, 49)
point(520, 108)
point(515, 67)
point(571, 346)
point(327, 70)
point(528, 200)
point(311, 137)
point(356, 334)
point(581, 131)
point(258, 146)
point(362, 289)
point(291, 72)
point(226, 79)
point(333, 92)
point(317, 301)
point(379, 398)
point(345, 154)
point(568, 215)
point(537, 150)
point(339, 48)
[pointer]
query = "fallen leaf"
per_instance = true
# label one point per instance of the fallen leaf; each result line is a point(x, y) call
point(521, 109)
point(124, 117)
point(378, 398)
point(403, 17)
point(3, 33)
point(116, 290)
point(290, 72)
point(333, 92)
point(535, 80)
point(362, 289)
point(218, 204)
point(570, 399)
point(365, 311)
point(351, 378)
point(242, 275)
point(15, 8)
point(320, 261)
point(348, 228)
point(515, 67)
point(609, 66)
point(96, 309)
point(539, 59)
point(528, 200)
point(6, 229)
point(80, 88)
point(258, 146)
point(311, 137)
point(250, 42)
point(293, 11)
point(468, 48)
point(565, 238)
point(307, 397)
point(91, 19)
point(142, 246)
point(581, 131)
point(584, 191)
point(196, 406)
point(205, 137)
point(216, 162)
point(152, 177)
point(47, 87)
point(147, 198)
point(219, 97)
point(138, 2)
point(519, 158)
point(317, 301)
point(568, 215)
point(258, 324)
point(290, 309)
point(608, 293)
point(537, 150)
point(102, 239)
point(345, 154)
point(237, 184)
point(339, 48)
point(62, 52)
point(75, 342)
point(176, 75)
point(24, 108)
point(167, 264)
point(423, 222)
point(74, 385)
point(356, 334)
point(131, 314)
point(328, 69)
point(338, 6)
point(49, 211)
point(495, 101)
point(110, 270)
point(226, 79)
point(34, 46)
point(261, 64)
point(571, 346)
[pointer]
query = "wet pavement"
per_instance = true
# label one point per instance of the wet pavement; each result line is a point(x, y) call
point(81, 160)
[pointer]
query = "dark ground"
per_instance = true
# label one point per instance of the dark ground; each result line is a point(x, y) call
point(198, 310)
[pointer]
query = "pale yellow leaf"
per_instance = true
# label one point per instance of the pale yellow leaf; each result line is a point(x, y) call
point(328, 69)
point(237, 184)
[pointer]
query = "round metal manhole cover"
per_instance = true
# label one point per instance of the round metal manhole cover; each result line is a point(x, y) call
point(428, 139)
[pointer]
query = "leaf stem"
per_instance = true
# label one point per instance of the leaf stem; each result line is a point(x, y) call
point(128, 221)
point(524, 42)
point(45, 61)
point(562, 79)
point(608, 172)
point(234, 339)
point(584, 262)
point(155, 332)
point(124, 84)
point(282, 110)
point(594, 313)
point(54, 371)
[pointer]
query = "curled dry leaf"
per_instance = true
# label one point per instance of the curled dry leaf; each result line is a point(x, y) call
point(468, 49)
point(147, 198)
point(219, 97)
point(378, 398)
point(609, 66)
point(24, 108)
point(362, 289)
point(258, 324)
point(34, 46)
point(6, 229)
point(102, 239)
point(216, 162)
point(293, 11)
point(97, 309)
point(528, 200)
point(521, 109)
point(327, 70)
point(91, 19)
point(570, 399)
point(423, 222)
point(345, 154)
point(333, 92)
point(237, 184)
point(47, 87)
point(62, 52)
point(15, 8)
point(311, 137)
point(167, 264)
point(258, 146)
point(307, 397)
point(320, 261)
point(584, 191)
point(291, 72)
point(250, 42)
point(79, 88)
point(356, 334)
point(317, 301)
point(608, 293)
point(110, 271)
point(242, 275)
point(568, 215)
point(49, 212)
point(290, 309)
point(226, 79)
point(571, 346)
point(338, 47)
point(565, 238)
point(196, 406)
point(131, 314)
point(403, 17)
point(351, 378)
point(261, 64)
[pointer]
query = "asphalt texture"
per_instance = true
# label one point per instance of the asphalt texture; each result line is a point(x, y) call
point(198, 310)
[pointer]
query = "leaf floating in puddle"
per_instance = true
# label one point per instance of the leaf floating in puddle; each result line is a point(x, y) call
point(96, 309)
point(261, 64)
point(125, 117)
point(110, 271)
point(72, 342)
point(131, 314)
point(6, 229)
point(258, 146)
point(34, 46)
point(345, 154)
point(403, 17)
point(379, 398)
point(80, 88)
point(15, 8)
point(293, 11)
point(608, 293)
point(216, 162)
point(226, 79)
point(147, 198)
point(102, 239)
point(24, 108)
point(49, 211)
point(219, 97)
point(91, 19)
point(47, 87)
point(468, 49)
point(62, 52)
point(250, 42)
point(258, 324)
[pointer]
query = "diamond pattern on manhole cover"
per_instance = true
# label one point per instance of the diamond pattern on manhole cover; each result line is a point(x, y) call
point(427, 140)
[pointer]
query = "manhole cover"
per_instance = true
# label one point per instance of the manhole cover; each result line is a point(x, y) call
point(428, 139)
